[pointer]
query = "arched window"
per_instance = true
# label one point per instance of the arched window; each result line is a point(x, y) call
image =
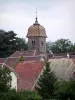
point(41, 42)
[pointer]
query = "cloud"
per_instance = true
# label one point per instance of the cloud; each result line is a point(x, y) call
point(57, 16)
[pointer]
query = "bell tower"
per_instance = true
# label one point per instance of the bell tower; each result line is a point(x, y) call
point(37, 37)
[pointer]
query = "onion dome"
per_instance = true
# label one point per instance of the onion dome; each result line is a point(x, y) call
point(36, 30)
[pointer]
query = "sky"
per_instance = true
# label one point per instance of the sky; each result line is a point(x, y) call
point(57, 17)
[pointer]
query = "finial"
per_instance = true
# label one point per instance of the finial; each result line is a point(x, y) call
point(36, 21)
point(36, 12)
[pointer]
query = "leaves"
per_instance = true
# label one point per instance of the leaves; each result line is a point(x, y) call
point(19, 95)
point(4, 78)
point(61, 46)
point(9, 43)
point(65, 90)
point(45, 85)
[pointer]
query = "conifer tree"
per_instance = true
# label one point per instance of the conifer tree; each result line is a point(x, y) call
point(46, 83)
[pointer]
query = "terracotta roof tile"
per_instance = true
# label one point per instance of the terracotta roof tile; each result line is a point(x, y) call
point(12, 62)
point(28, 73)
point(24, 53)
point(36, 30)
point(2, 60)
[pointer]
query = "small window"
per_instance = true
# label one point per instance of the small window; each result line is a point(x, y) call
point(41, 42)
point(33, 42)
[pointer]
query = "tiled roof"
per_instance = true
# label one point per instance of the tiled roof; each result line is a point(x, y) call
point(58, 57)
point(35, 58)
point(36, 30)
point(12, 62)
point(64, 68)
point(28, 73)
point(25, 53)
point(72, 56)
point(2, 60)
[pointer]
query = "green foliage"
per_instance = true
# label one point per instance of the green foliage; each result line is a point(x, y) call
point(19, 95)
point(49, 46)
point(9, 43)
point(61, 46)
point(4, 79)
point(22, 44)
point(65, 90)
point(46, 83)
point(14, 64)
point(21, 58)
point(31, 95)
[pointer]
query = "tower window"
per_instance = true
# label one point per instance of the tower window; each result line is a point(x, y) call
point(41, 42)
point(33, 42)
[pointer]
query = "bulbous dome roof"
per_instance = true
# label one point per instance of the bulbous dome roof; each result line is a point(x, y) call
point(36, 30)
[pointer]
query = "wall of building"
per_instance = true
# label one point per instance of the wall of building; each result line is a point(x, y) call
point(33, 46)
point(14, 81)
point(40, 44)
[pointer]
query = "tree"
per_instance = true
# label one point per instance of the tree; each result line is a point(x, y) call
point(4, 79)
point(49, 46)
point(46, 83)
point(65, 90)
point(20, 95)
point(61, 46)
point(9, 43)
point(21, 44)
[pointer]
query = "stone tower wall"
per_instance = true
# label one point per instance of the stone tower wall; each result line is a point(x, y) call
point(42, 44)
point(39, 44)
